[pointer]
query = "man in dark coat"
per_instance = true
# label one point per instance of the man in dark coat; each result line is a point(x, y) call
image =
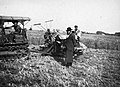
point(17, 27)
point(48, 37)
point(70, 43)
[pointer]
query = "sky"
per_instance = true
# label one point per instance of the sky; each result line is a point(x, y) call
point(89, 15)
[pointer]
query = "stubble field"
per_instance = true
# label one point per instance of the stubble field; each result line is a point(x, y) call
point(95, 68)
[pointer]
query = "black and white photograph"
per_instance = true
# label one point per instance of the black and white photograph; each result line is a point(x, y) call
point(59, 43)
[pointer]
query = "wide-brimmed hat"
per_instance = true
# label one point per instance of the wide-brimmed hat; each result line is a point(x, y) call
point(69, 29)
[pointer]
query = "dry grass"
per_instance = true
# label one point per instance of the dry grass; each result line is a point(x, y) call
point(96, 68)
point(101, 41)
point(90, 40)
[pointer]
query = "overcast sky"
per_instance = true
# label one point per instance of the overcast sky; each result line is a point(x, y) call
point(89, 15)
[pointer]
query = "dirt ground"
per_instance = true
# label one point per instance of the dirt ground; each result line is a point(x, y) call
point(95, 68)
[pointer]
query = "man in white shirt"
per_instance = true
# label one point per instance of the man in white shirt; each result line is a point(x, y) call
point(77, 33)
point(78, 36)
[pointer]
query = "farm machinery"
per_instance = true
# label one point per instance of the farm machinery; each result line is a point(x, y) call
point(55, 46)
point(13, 41)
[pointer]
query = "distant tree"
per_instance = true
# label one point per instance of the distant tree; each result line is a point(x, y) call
point(83, 32)
point(100, 32)
point(117, 33)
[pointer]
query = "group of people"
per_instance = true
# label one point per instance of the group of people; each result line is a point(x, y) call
point(71, 42)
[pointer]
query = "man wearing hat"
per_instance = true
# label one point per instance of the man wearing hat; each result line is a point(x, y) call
point(70, 43)
point(77, 33)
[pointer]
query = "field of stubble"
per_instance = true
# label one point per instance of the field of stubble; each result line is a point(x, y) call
point(95, 68)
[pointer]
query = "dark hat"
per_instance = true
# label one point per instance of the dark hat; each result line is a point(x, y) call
point(69, 29)
point(75, 26)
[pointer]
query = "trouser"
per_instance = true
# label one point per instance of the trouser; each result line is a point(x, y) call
point(69, 57)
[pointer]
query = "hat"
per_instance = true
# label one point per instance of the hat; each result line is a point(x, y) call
point(75, 26)
point(69, 29)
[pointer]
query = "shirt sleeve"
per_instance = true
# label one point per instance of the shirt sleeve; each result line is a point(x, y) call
point(79, 34)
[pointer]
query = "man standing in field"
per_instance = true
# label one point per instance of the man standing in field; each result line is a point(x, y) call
point(70, 43)
point(77, 33)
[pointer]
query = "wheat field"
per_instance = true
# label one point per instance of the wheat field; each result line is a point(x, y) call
point(95, 68)
point(90, 40)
